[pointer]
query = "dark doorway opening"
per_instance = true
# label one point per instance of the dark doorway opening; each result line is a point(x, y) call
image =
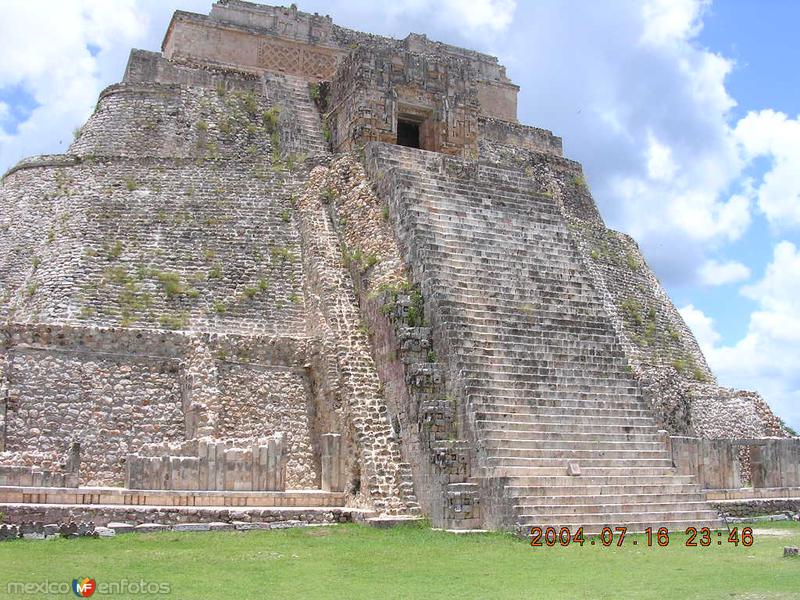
point(407, 133)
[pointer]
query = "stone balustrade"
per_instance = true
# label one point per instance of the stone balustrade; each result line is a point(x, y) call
point(774, 462)
point(217, 465)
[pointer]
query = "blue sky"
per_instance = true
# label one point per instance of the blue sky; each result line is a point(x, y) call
point(684, 114)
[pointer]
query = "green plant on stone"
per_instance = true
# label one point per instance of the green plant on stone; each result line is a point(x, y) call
point(202, 125)
point(171, 282)
point(131, 184)
point(178, 321)
point(269, 118)
point(36, 262)
point(632, 262)
point(281, 253)
point(580, 182)
point(431, 356)
point(114, 251)
point(699, 374)
point(31, 289)
point(250, 292)
point(263, 285)
point(226, 127)
point(286, 215)
point(117, 275)
point(294, 299)
point(249, 103)
point(632, 310)
point(215, 272)
point(681, 365)
point(219, 307)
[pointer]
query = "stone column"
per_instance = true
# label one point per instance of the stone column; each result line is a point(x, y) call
point(72, 476)
point(331, 463)
point(759, 465)
point(3, 409)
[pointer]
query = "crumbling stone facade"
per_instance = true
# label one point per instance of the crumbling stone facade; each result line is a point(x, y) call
point(286, 264)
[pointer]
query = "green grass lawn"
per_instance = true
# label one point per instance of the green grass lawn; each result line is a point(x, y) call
point(351, 561)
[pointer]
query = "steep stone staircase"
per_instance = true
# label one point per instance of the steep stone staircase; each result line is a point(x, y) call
point(300, 119)
point(545, 381)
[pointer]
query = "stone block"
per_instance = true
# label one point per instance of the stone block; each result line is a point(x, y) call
point(191, 527)
point(331, 463)
point(121, 527)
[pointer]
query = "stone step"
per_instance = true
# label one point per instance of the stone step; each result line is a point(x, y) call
point(619, 518)
point(568, 437)
point(599, 510)
point(560, 429)
point(590, 504)
point(605, 480)
point(570, 419)
point(555, 464)
point(592, 494)
point(554, 409)
point(633, 471)
point(595, 446)
point(675, 525)
point(571, 454)
point(510, 394)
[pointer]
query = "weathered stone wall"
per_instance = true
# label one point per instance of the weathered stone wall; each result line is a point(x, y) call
point(113, 237)
point(258, 401)
point(109, 404)
point(383, 476)
point(375, 86)
point(502, 133)
point(284, 41)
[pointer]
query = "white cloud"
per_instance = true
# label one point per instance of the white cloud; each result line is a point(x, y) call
point(713, 272)
point(767, 357)
point(49, 59)
point(773, 134)
point(702, 327)
point(5, 110)
point(671, 20)
point(476, 17)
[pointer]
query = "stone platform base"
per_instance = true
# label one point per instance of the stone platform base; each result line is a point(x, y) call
point(385, 522)
point(102, 514)
point(747, 502)
point(123, 496)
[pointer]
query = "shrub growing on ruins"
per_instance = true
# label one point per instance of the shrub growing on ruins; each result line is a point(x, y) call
point(178, 321)
point(632, 311)
point(281, 254)
point(131, 184)
point(250, 292)
point(270, 119)
point(215, 272)
point(219, 307)
point(171, 282)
